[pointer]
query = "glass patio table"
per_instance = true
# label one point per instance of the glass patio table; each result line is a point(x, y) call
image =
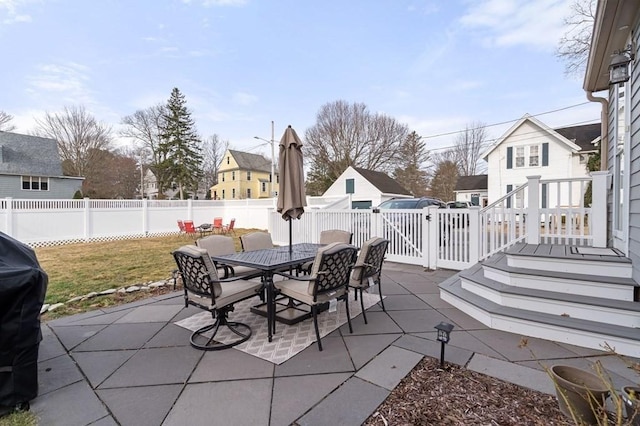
point(269, 261)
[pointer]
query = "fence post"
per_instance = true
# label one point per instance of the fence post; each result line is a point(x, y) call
point(190, 209)
point(87, 219)
point(533, 213)
point(314, 226)
point(145, 218)
point(430, 238)
point(598, 217)
point(9, 218)
point(474, 237)
point(376, 223)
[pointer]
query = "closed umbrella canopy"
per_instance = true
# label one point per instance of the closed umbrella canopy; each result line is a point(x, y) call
point(291, 193)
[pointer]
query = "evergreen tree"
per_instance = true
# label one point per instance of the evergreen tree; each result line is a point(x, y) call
point(412, 174)
point(180, 146)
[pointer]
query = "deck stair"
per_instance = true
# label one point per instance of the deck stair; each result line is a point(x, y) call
point(579, 296)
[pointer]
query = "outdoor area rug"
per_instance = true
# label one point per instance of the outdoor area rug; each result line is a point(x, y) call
point(289, 339)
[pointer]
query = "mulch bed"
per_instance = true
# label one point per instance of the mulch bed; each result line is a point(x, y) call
point(458, 396)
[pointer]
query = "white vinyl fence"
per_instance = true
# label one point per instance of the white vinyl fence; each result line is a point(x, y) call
point(431, 237)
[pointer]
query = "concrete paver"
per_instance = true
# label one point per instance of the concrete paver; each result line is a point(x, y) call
point(387, 369)
point(131, 365)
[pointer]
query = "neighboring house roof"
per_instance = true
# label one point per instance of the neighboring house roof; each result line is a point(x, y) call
point(584, 136)
point(248, 161)
point(382, 181)
point(577, 140)
point(29, 155)
point(472, 183)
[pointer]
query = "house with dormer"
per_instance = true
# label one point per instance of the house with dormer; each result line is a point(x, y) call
point(531, 148)
point(243, 175)
point(30, 167)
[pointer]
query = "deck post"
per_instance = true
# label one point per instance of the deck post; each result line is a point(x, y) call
point(598, 217)
point(533, 213)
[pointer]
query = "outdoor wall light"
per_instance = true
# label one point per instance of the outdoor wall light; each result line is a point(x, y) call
point(444, 331)
point(619, 66)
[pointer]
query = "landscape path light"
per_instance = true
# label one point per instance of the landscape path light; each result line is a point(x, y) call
point(444, 332)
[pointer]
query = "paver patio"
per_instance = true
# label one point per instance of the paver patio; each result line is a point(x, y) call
point(131, 365)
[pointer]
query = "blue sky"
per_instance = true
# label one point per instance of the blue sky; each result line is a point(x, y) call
point(435, 65)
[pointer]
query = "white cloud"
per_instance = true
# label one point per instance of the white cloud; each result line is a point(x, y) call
point(66, 82)
point(13, 14)
point(511, 22)
point(244, 99)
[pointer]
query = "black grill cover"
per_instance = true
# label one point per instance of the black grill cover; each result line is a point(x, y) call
point(23, 285)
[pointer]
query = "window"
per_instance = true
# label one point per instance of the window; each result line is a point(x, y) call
point(233, 175)
point(35, 183)
point(264, 187)
point(223, 194)
point(227, 160)
point(520, 156)
point(248, 192)
point(534, 157)
point(233, 193)
point(527, 156)
point(248, 175)
point(222, 176)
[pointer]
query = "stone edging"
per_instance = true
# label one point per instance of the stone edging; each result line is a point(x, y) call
point(131, 289)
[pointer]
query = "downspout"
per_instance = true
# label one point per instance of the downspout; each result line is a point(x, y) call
point(604, 129)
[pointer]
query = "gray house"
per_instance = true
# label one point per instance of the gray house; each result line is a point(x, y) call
point(615, 41)
point(30, 167)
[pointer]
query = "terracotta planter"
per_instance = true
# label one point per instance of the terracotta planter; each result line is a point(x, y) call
point(631, 398)
point(579, 392)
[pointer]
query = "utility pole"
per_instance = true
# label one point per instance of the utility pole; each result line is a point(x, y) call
point(273, 162)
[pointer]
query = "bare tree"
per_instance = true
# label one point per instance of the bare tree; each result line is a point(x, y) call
point(573, 47)
point(5, 125)
point(145, 127)
point(115, 176)
point(213, 149)
point(350, 135)
point(468, 147)
point(80, 138)
point(412, 173)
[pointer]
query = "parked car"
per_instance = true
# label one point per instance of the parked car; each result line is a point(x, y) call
point(458, 204)
point(412, 203)
point(398, 222)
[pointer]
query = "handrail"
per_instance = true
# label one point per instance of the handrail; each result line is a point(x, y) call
point(500, 200)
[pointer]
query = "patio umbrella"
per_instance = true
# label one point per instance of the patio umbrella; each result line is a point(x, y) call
point(291, 194)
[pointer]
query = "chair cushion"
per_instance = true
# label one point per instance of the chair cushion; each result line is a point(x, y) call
point(231, 292)
point(256, 241)
point(217, 245)
point(335, 236)
point(241, 271)
point(299, 290)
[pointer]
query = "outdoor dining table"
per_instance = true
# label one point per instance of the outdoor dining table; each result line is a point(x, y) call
point(269, 261)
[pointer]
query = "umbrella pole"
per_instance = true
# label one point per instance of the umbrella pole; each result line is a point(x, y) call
point(290, 233)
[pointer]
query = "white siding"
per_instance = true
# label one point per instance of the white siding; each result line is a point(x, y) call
point(364, 190)
point(563, 163)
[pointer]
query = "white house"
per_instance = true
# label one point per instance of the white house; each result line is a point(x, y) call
point(531, 148)
point(366, 188)
point(472, 189)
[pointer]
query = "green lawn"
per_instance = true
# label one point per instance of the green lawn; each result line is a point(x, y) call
point(78, 269)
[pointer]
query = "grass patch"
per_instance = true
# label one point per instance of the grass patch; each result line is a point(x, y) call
point(78, 269)
point(22, 418)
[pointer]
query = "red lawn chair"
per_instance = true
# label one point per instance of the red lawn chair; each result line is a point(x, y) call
point(189, 228)
point(229, 228)
point(217, 225)
point(181, 226)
